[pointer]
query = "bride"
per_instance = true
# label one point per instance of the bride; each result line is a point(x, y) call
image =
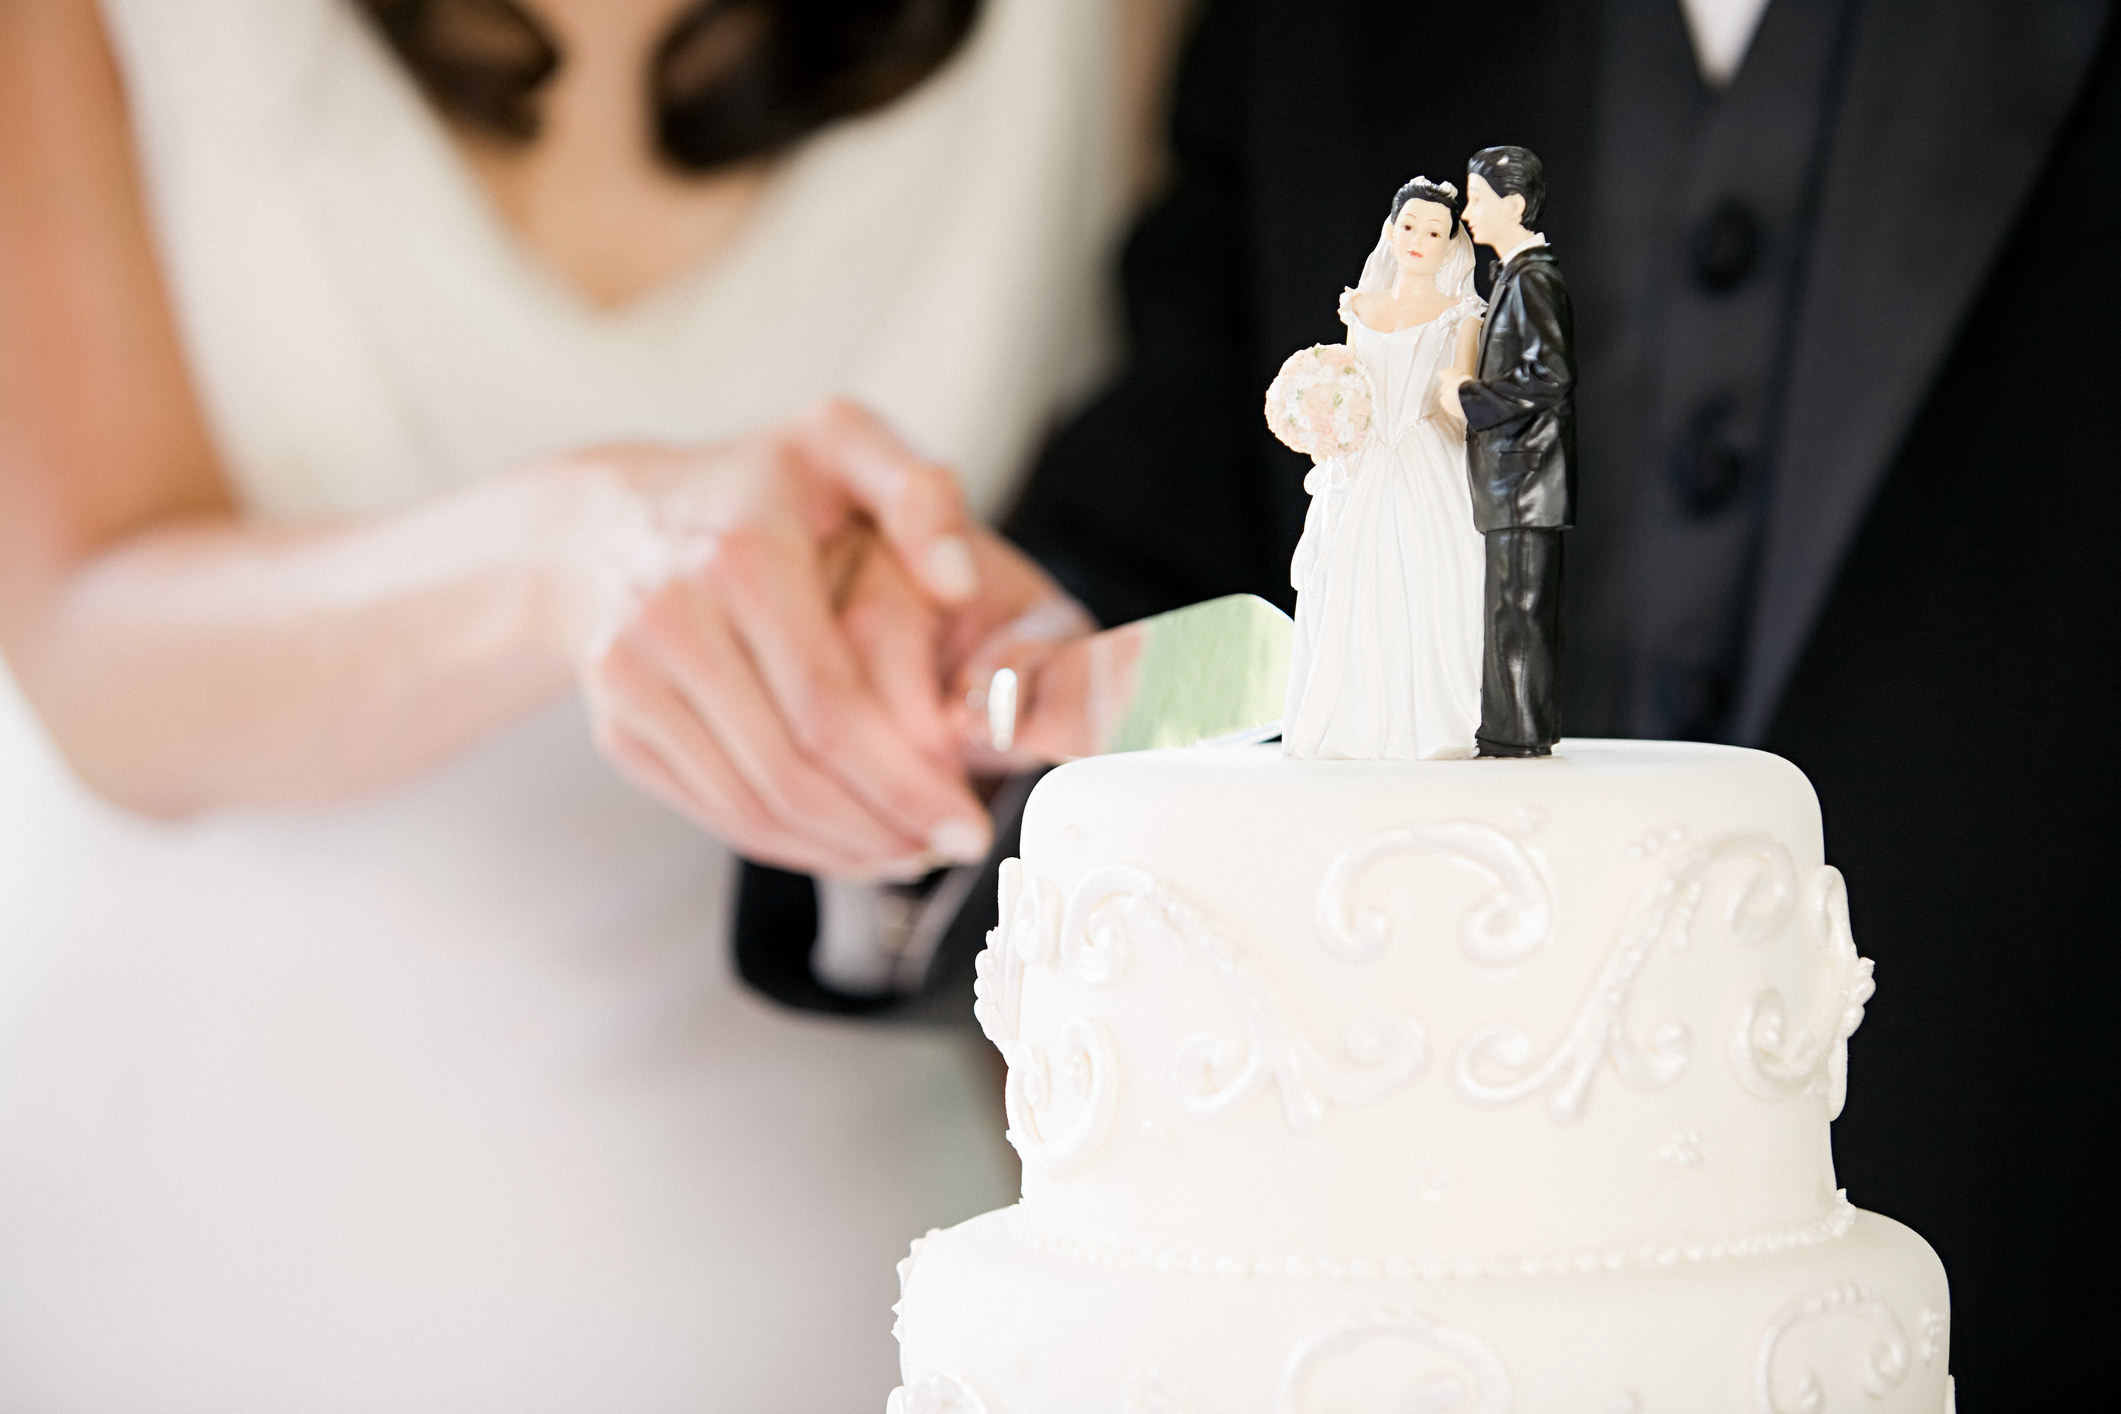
point(1389, 570)
point(411, 591)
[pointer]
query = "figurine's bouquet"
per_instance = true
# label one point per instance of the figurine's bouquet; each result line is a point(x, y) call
point(1320, 402)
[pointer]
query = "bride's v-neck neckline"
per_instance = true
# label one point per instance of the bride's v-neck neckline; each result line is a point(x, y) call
point(467, 208)
point(1433, 319)
point(1404, 328)
point(667, 289)
point(1388, 333)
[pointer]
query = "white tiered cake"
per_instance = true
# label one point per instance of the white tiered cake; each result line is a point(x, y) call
point(1381, 1085)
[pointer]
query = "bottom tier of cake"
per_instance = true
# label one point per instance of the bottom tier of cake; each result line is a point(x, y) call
point(993, 1323)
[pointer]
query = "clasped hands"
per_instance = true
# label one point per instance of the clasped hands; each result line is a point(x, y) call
point(777, 637)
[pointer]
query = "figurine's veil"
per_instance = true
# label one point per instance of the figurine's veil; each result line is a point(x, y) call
point(1455, 278)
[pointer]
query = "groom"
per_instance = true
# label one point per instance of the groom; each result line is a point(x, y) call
point(1520, 417)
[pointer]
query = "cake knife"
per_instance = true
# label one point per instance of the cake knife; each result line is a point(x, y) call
point(1216, 671)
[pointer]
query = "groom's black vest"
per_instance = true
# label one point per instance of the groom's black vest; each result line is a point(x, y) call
point(1520, 418)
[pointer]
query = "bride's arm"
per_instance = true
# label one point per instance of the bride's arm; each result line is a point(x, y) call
point(1465, 362)
point(183, 659)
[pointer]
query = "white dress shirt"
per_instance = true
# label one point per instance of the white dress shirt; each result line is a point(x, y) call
point(1531, 242)
point(1722, 31)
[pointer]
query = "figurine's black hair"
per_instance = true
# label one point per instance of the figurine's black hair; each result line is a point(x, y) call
point(1422, 189)
point(730, 79)
point(1509, 170)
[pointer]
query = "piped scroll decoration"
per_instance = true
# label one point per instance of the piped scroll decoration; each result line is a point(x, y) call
point(1091, 1066)
point(937, 1394)
point(1885, 1359)
point(1450, 1371)
point(1775, 1061)
point(1509, 924)
point(1214, 1075)
point(905, 1279)
point(1151, 1391)
point(1104, 911)
point(1496, 1063)
point(1028, 932)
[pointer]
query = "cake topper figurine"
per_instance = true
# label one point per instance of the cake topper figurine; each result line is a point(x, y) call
point(1518, 406)
point(1388, 572)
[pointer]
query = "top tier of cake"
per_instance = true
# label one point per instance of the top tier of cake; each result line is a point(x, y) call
point(1475, 1015)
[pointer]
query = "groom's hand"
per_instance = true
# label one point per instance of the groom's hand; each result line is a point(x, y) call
point(933, 664)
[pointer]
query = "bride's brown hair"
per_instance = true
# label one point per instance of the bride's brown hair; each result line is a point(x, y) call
point(731, 79)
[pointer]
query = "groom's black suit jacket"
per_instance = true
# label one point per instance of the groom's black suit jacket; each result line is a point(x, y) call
point(1520, 410)
point(1850, 489)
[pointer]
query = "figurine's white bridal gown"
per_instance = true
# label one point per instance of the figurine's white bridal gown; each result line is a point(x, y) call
point(1389, 571)
point(447, 1100)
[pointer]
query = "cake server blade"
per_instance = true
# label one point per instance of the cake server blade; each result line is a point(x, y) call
point(1216, 671)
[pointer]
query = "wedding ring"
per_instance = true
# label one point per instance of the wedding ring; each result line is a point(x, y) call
point(1001, 709)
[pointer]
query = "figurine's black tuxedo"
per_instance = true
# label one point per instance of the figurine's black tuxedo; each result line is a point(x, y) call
point(1520, 404)
point(1922, 523)
point(1520, 409)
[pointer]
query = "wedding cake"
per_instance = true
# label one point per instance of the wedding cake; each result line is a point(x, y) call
point(1424, 1085)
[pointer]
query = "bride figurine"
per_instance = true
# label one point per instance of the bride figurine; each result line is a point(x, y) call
point(1389, 571)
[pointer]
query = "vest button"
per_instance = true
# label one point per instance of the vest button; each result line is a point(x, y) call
point(1709, 467)
point(1724, 246)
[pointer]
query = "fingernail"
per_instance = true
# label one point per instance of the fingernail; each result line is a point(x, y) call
point(950, 568)
point(966, 841)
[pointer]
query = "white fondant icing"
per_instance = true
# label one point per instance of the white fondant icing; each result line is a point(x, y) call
point(1443, 1369)
point(1773, 1060)
point(1091, 1067)
point(1433, 1186)
point(1506, 926)
point(1496, 1062)
point(1212, 1074)
point(1284, 1206)
point(1043, 1335)
point(1650, 1255)
point(938, 1394)
point(1682, 1150)
point(1224, 858)
point(1150, 1391)
point(1882, 1349)
point(1094, 942)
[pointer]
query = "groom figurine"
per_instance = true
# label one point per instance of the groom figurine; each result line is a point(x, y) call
point(1520, 416)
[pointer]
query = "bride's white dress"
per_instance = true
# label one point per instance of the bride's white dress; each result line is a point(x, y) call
point(447, 1100)
point(1389, 572)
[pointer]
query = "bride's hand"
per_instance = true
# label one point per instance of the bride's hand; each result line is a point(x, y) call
point(697, 600)
point(1447, 404)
